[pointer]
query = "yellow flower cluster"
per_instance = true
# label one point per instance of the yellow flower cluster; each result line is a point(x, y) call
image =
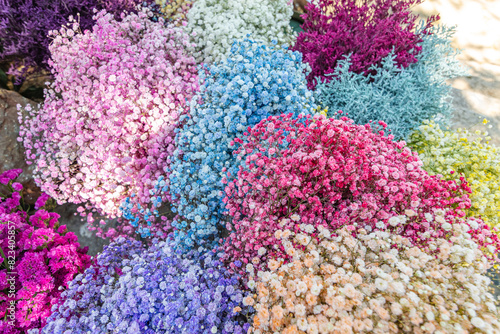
point(323, 112)
point(175, 10)
point(463, 153)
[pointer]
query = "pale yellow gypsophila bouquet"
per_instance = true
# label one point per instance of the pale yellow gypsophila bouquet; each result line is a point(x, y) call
point(463, 153)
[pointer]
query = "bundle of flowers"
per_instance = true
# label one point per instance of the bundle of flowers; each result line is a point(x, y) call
point(37, 257)
point(254, 82)
point(327, 172)
point(375, 282)
point(106, 129)
point(174, 11)
point(24, 26)
point(153, 290)
point(215, 24)
point(402, 98)
point(369, 30)
point(453, 154)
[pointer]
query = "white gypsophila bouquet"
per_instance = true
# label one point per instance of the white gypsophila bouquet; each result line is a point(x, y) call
point(215, 24)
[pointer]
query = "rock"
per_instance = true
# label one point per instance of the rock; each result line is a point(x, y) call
point(12, 151)
point(299, 5)
point(75, 224)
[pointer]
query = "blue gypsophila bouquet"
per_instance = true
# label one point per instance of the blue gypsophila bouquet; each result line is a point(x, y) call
point(253, 83)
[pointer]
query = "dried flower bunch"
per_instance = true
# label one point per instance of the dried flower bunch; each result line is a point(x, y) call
point(174, 11)
point(454, 154)
point(355, 281)
point(106, 129)
point(214, 25)
point(153, 290)
point(367, 30)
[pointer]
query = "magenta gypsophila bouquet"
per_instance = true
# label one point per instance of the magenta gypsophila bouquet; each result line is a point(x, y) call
point(369, 31)
point(38, 256)
point(106, 128)
point(328, 172)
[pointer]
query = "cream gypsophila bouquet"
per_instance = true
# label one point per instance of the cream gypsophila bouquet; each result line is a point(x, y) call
point(378, 282)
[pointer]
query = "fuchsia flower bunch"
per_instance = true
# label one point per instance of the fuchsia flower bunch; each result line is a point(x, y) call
point(328, 172)
point(369, 31)
point(106, 128)
point(45, 257)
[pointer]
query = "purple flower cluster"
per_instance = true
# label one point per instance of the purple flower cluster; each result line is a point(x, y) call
point(161, 289)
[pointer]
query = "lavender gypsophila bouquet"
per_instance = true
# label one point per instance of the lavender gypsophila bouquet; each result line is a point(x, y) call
point(161, 289)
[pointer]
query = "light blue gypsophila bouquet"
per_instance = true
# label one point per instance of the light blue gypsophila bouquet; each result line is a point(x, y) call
point(160, 289)
point(401, 97)
point(254, 82)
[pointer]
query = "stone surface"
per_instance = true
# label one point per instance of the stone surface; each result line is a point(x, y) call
point(12, 151)
point(470, 108)
point(75, 224)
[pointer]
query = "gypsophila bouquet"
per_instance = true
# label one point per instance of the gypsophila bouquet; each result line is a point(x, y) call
point(463, 153)
point(106, 129)
point(368, 31)
point(254, 82)
point(174, 11)
point(24, 28)
point(37, 257)
point(374, 282)
point(77, 309)
point(154, 290)
point(215, 24)
point(326, 172)
point(402, 98)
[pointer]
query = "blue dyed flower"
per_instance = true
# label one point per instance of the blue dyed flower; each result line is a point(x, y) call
point(254, 82)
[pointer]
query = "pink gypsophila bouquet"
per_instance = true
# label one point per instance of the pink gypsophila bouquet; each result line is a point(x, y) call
point(369, 31)
point(106, 128)
point(43, 255)
point(327, 172)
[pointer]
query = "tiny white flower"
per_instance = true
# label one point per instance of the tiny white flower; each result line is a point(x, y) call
point(478, 322)
point(316, 289)
point(381, 284)
point(446, 226)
